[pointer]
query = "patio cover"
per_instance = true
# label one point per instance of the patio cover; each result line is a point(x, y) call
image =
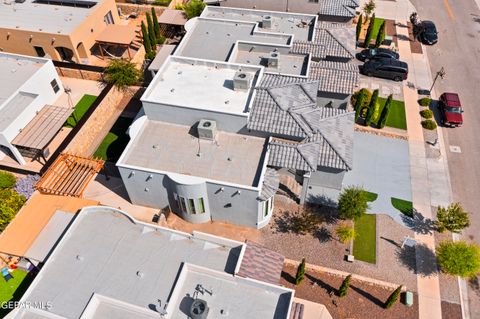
point(172, 17)
point(117, 34)
point(43, 127)
point(22, 231)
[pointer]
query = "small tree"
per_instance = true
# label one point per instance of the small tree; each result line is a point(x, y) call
point(371, 108)
point(368, 8)
point(345, 233)
point(369, 35)
point(300, 272)
point(343, 290)
point(453, 218)
point(146, 41)
point(380, 35)
point(392, 299)
point(352, 203)
point(151, 31)
point(156, 27)
point(122, 74)
point(194, 8)
point(359, 27)
point(386, 110)
point(459, 258)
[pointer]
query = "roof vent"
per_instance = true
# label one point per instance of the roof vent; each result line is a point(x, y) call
point(242, 81)
point(207, 129)
point(273, 59)
point(199, 309)
point(266, 22)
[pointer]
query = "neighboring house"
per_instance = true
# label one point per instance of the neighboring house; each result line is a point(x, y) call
point(28, 120)
point(327, 10)
point(63, 30)
point(109, 265)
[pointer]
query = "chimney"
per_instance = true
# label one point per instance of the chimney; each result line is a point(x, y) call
point(273, 59)
point(266, 22)
point(242, 81)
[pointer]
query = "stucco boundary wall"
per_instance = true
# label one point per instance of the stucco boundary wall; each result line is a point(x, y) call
point(100, 122)
point(128, 8)
point(79, 74)
point(343, 274)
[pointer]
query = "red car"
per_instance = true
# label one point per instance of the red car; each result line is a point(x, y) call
point(451, 109)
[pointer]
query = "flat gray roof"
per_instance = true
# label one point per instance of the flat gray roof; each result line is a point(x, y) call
point(15, 70)
point(108, 253)
point(201, 85)
point(39, 17)
point(214, 39)
point(232, 158)
point(14, 108)
point(302, 26)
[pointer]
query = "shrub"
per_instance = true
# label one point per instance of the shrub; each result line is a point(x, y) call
point(376, 112)
point(425, 101)
point(345, 233)
point(392, 299)
point(426, 114)
point(156, 27)
point(359, 27)
point(368, 7)
point(146, 40)
point(300, 273)
point(194, 8)
point(180, 6)
point(385, 112)
point(452, 218)
point(7, 180)
point(380, 36)
point(122, 74)
point(10, 204)
point(366, 93)
point(371, 108)
point(369, 35)
point(352, 203)
point(342, 291)
point(151, 31)
point(459, 258)
point(429, 124)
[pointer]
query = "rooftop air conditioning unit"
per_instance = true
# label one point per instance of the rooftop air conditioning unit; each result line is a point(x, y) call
point(266, 22)
point(242, 81)
point(199, 309)
point(207, 129)
point(273, 59)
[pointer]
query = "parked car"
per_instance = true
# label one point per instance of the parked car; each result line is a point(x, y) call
point(427, 33)
point(377, 53)
point(451, 109)
point(386, 68)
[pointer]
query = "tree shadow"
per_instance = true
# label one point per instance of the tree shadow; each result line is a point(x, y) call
point(323, 235)
point(474, 285)
point(391, 241)
point(424, 265)
point(403, 37)
point(418, 223)
point(368, 296)
point(302, 222)
point(289, 278)
point(322, 284)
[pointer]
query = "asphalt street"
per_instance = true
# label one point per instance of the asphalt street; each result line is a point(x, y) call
point(458, 51)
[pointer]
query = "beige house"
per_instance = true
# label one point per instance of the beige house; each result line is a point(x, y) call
point(63, 30)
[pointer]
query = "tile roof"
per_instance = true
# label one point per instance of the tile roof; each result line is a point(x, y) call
point(270, 184)
point(338, 42)
point(317, 50)
point(261, 263)
point(339, 8)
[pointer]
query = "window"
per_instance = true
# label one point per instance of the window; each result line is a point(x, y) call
point(108, 18)
point(55, 86)
point(191, 206)
point(201, 206)
point(40, 51)
point(266, 208)
point(183, 206)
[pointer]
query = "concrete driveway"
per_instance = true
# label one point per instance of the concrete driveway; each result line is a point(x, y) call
point(381, 165)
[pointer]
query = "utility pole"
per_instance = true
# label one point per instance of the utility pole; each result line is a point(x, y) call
point(441, 73)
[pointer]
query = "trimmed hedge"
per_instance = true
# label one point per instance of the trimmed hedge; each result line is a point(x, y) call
point(7, 180)
point(429, 124)
point(367, 97)
point(426, 114)
point(425, 101)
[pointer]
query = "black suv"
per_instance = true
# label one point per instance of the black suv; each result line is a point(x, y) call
point(377, 53)
point(427, 32)
point(386, 68)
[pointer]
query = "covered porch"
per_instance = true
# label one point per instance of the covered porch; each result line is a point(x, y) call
point(116, 41)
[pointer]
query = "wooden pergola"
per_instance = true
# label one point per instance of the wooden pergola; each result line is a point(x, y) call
point(117, 35)
point(69, 175)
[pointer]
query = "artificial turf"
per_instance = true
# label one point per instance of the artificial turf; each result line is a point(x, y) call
point(371, 197)
point(13, 289)
point(364, 245)
point(376, 27)
point(80, 109)
point(115, 142)
point(396, 117)
point(404, 206)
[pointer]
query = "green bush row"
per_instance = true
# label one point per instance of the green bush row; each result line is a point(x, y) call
point(429, 124)
point(426, 114)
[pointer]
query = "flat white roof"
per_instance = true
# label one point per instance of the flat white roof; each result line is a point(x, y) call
point(42, 17)
point(15, 70)
point(201, 84)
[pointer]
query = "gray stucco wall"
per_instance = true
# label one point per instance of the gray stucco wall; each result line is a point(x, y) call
point(227, 205)
point(188, 116)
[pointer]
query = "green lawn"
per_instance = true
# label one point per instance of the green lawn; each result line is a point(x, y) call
point(404, 206)
point(115, 142)
point(80, 109)
point(376, 26)
point(364, 245)
point(371, 197)
point(14, 289)
point(396, 117)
